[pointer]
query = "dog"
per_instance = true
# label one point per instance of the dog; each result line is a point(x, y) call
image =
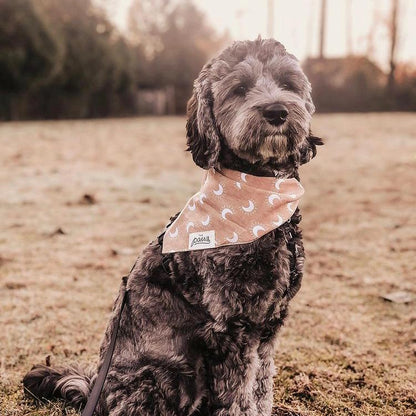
point(198, 331)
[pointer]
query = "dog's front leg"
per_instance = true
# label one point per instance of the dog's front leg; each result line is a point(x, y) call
point(263, 387)
point(231, 365)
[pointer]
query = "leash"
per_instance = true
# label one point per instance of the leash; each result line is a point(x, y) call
point(108, 357)
point(102, 374)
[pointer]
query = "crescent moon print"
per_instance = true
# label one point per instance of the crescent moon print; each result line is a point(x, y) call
point(206, 221)
point(250, 207)
point(272, 197)
point(175, 233)
point(233, 239)
point(219, 191)
point(277, 184)
point(229, 210)
point(224, 212)
point(256, 230)
point(279, 221)
point(192, 207)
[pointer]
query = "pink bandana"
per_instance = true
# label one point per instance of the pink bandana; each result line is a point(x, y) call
point(232, 208)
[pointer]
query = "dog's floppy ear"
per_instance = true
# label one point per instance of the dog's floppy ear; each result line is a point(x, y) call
point(202, 134)
point(308, 150)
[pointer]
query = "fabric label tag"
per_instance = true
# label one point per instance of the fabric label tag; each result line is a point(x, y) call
point(199, 241)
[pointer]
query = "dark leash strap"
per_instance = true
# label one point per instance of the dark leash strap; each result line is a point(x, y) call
point(102, 374)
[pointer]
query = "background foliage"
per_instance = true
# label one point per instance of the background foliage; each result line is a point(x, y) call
point(66, 59)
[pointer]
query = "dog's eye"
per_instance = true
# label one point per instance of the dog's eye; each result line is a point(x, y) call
point(288, 86)
point(240, 90)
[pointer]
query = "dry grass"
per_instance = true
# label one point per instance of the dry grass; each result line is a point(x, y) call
point(344, 351)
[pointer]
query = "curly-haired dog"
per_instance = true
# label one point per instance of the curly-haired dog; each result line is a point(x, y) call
point(198, 332)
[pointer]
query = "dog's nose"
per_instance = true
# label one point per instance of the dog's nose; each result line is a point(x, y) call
point(275, 114)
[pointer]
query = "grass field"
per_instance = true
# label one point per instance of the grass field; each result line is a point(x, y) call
point(79, 199)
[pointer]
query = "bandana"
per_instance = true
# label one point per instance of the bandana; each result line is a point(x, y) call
point(232, 208)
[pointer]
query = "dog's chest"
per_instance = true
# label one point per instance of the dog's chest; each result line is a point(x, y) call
point(249, 281)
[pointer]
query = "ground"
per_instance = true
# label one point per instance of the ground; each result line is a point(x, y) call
point(79, 199)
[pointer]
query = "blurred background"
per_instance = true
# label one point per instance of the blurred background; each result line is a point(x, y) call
point(81, 197)
point(100, 58)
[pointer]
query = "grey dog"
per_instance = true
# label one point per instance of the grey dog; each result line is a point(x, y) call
point(198, 332)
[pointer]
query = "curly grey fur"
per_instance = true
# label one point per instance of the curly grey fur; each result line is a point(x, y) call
point(198, 332)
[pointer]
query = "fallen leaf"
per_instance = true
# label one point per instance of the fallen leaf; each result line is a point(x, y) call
point(88, 199)
point(14, 285)
point(145, 200)
point(126, 251)
point(58, 231)
point(400, 296)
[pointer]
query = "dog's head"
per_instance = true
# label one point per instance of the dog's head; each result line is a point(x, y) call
point(254, 99)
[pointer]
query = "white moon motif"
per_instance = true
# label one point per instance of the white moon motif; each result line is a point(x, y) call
point(206, 221)
point(224, 212)
point(201, 198)
point(279, 221)
point(272, 197)
point(219, 191)
point(174, 234)
point(238, 185)
point(250, 207)
point(243, 177)
point(189, 225)
point(192, 207)
point(277, 184)
point(289, 207)
point(256, 230)
point(233, 239)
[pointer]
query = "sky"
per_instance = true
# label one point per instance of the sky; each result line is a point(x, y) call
point(296, 24)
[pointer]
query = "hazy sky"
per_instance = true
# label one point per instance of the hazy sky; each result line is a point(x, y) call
point(296, 24)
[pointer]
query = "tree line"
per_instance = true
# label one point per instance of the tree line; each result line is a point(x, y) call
point(66, 59)
point(355, 83)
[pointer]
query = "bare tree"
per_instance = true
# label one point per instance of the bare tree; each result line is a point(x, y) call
point(146, 21)
point(270, 18)
point(348, 26)
point(375, 20)
point(322, 30)
point(310, 31)
point(393, 28)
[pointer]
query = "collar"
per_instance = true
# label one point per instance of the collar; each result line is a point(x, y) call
point(232, 208)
